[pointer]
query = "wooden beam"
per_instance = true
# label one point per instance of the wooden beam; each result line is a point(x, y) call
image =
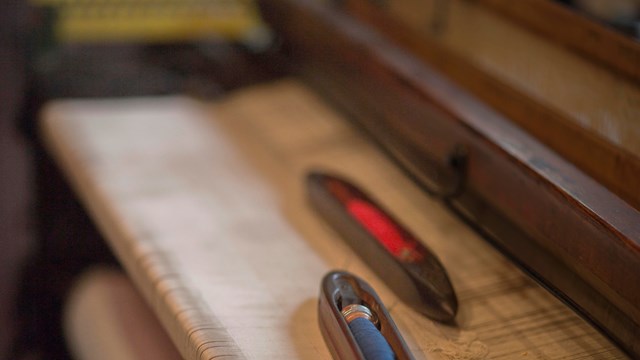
point(559, 223)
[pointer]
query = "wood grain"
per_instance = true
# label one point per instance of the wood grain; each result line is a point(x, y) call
point(588, 233)
point(596, 41)
point(206, 210)
point(525, 79)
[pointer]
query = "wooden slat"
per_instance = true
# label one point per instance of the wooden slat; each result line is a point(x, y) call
point(613, 166)
point(595, 41)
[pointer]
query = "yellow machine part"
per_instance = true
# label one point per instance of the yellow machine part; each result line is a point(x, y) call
point(153, 20)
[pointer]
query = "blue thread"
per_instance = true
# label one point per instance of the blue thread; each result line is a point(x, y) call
point(372, 344)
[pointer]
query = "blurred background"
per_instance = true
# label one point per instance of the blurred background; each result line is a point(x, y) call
point(79, 49)
point(75, 49)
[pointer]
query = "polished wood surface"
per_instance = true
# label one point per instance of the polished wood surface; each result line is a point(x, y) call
point(617, 51)
point(584, 112)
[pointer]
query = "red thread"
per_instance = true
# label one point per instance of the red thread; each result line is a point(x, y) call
point(385, 230)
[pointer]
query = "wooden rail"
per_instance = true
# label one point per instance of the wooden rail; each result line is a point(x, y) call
point(570, 231)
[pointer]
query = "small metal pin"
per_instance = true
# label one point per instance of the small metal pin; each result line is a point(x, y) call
point(356, 311)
